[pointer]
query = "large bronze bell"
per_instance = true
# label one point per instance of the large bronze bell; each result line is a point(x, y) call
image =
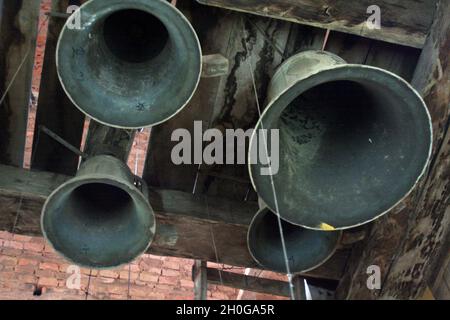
point(354, 141)
point(132, 64)
point(305, 249)
point(99, 219)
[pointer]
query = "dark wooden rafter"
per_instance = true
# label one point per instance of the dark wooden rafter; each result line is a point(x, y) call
point(19, 28)
point(403, 22)
point(407, 245)
point(55, 110)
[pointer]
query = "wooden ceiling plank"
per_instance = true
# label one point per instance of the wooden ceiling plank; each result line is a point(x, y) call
point(404, 22)
point(55, 110)
point(18, 30)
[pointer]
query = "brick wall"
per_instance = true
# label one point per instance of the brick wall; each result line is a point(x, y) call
point(30, 269)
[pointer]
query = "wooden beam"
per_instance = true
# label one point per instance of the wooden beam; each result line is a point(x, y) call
point(265, 285)
point(407, 244)
point(18, 32)
point(55, 110)
point(248, 283)
point(188, 226)
point(403, 22)
point(199, 276)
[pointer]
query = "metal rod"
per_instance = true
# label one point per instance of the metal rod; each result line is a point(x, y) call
point(63, 142)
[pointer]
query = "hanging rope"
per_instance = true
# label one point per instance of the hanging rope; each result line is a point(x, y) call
point(280, 227)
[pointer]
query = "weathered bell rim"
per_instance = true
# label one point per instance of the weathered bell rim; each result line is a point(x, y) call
point(103, 179)
point(332, 70)
point(267, 210)
point(126, 5)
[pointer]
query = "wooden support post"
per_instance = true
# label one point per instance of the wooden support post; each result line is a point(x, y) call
point(102, 139)
point(55, 110)
point(200, 279)
point(403, 22)
point(299, 287)
point(18, 32)
point(406, 245)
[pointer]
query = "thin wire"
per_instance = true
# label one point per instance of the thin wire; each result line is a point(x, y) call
point(16, 219)
point(136, 161)
point(280, 227)
point(325, 39)
point(88, 285)
point(129, 285)
point(2, 99)
point(213, 241)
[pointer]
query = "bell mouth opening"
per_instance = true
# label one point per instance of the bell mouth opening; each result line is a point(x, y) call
point(101, 201)
point(97, 225)
point(340, 114)
point(354, 140)
point(134, 36)
point(305, 249)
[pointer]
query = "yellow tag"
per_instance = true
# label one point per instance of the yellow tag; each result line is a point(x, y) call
point(326, 227)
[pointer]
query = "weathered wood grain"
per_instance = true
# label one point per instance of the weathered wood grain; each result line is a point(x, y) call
point(407, 245)
point(55, 110)
point(403, 22)
point(224, 103)
point(18, 32)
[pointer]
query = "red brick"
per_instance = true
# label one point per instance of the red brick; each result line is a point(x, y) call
point(8, 261)
point(46, 273)
point(172, 265)
point(5, 235)
point(28, 278)
point(187, 283)
point(26, 262)
point(170, 273)
point(220, 295)
point(150, 263)
point(125, 274)
point(106, 280)
point(138, 291)
point(49, 266)
point(155, 296)
point(11, 252)
point(48, 249)
point(148, 277)
point(109, 274)
point(87, 272)
point(28, 269)
point(13, 244)
point(114, 296)
point(118, 288)
point(168, 280)
point(178, 297)
point(48, 282)
point(21, 238)
point(35, 247)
